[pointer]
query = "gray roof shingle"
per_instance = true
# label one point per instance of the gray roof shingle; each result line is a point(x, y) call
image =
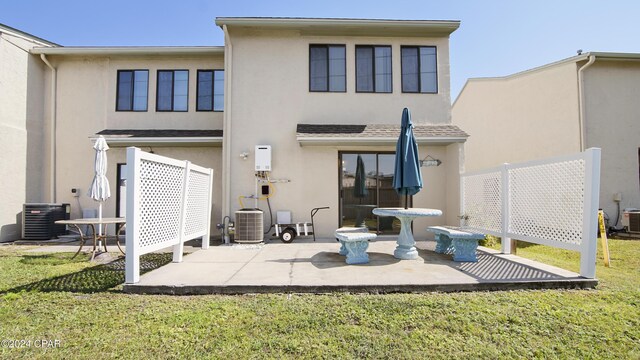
point(165, 133)
point(377, 131)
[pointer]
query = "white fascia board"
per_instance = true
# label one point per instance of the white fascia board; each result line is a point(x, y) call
point(333, 141)
point(131, 50)
point(440, 27)
point(117, 141)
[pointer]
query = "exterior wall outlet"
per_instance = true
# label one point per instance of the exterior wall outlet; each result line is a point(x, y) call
point(617, 197)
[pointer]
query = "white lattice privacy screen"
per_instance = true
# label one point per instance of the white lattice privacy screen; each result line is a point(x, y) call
point(551, 202)
point(168, 203)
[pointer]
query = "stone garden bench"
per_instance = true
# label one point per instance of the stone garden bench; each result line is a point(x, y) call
point(354, 243)
point(460, 242)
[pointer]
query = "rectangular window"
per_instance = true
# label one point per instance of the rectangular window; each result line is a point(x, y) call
point(132, 90)
point(173, 90)
point(373, 69)
point(419, 69)
point(327, 68)
point(210, 91)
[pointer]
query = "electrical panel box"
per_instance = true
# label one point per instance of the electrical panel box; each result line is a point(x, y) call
point(263, 157)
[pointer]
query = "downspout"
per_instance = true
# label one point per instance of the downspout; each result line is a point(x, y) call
point(581, 115)
point(226, 132)
point(52, 152)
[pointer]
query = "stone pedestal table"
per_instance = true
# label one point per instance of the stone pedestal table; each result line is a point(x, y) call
point(406, 249)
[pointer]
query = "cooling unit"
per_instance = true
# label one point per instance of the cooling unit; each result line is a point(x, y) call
point(38, 220)
point(249, 226)
point(631, 220)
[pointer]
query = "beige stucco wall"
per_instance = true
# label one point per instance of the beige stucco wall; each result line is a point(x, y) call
point(86, 98)
point(21, 123)
point(523, 117)
point(270, 96)
point(612, 91)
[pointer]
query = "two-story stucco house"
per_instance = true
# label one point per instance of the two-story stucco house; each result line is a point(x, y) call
point(320, 92)
point(23, 130)
point(588, 100)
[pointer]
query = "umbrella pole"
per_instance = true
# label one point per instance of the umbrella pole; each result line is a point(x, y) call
point(406, 201)
point(100, 218)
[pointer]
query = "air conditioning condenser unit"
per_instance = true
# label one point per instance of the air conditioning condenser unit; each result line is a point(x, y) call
point(631, 220)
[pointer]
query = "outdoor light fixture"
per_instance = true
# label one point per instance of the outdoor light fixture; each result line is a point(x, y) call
point(244, 155)
point(430, 161)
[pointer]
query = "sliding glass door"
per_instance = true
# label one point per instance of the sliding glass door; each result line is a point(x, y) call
point(366, 183)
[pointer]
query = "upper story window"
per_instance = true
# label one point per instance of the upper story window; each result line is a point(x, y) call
point(327, 68)
point(419, 69)
point(210, 91)
point(173, 90)
point(132, 90)
point(373, 69)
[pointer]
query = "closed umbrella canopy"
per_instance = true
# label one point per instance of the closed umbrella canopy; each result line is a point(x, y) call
point(407, 179)
point(99, 190)
point(360, 186)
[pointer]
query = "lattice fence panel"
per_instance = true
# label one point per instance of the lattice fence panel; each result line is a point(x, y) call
point(160, 198)
point(197, 203)
point(482, 201)
point(547, 201)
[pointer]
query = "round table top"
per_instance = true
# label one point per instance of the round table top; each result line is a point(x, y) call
point(411, 212)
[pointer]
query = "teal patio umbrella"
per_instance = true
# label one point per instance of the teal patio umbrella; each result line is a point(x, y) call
point(407, 179)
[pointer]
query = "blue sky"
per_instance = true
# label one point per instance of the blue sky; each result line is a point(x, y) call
point(495, 38)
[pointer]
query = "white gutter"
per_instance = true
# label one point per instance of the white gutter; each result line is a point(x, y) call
point(52, 155)
point(581, 102)
point(131, 50)
point(226, 134)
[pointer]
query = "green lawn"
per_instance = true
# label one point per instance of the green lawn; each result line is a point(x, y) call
point(52, 297)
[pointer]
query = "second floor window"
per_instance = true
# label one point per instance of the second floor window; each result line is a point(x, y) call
point(132, 90)
point(210, 90)
point(419, 69)
point(327, 68)
point(173, 90)
point(373, 69)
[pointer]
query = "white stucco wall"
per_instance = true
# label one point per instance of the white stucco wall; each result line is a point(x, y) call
point(86, 101)
point(21, 120)
point(518, 118)
point(270, 96)
point(612, 91)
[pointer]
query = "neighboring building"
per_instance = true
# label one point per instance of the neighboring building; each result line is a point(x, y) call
point(319, 91)
point(22, 127)
point(589, 100)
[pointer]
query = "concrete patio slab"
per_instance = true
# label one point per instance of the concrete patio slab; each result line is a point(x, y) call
point(316, 267)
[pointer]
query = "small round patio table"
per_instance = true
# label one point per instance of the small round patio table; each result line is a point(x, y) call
point(406, 249)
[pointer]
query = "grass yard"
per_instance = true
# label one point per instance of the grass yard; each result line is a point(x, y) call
point(55, 298)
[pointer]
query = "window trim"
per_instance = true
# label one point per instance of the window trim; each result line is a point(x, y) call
point(213, 81)
point(373, 67)
point(326, 46)
point(173, 84)
point(419, 70)
point(133, 82)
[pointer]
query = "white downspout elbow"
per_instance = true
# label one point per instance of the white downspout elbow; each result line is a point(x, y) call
point(581, 101)
point(52, 150)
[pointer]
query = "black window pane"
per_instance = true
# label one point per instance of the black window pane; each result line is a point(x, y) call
point(165, 86)
point(410, 82)
point(337, 69)
point(383, 69)
point(318, 67)
point(428, 70)
point(125, 93)
point(364, 69)
point(140, 89)
point(218, 91)
point(205, 91)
